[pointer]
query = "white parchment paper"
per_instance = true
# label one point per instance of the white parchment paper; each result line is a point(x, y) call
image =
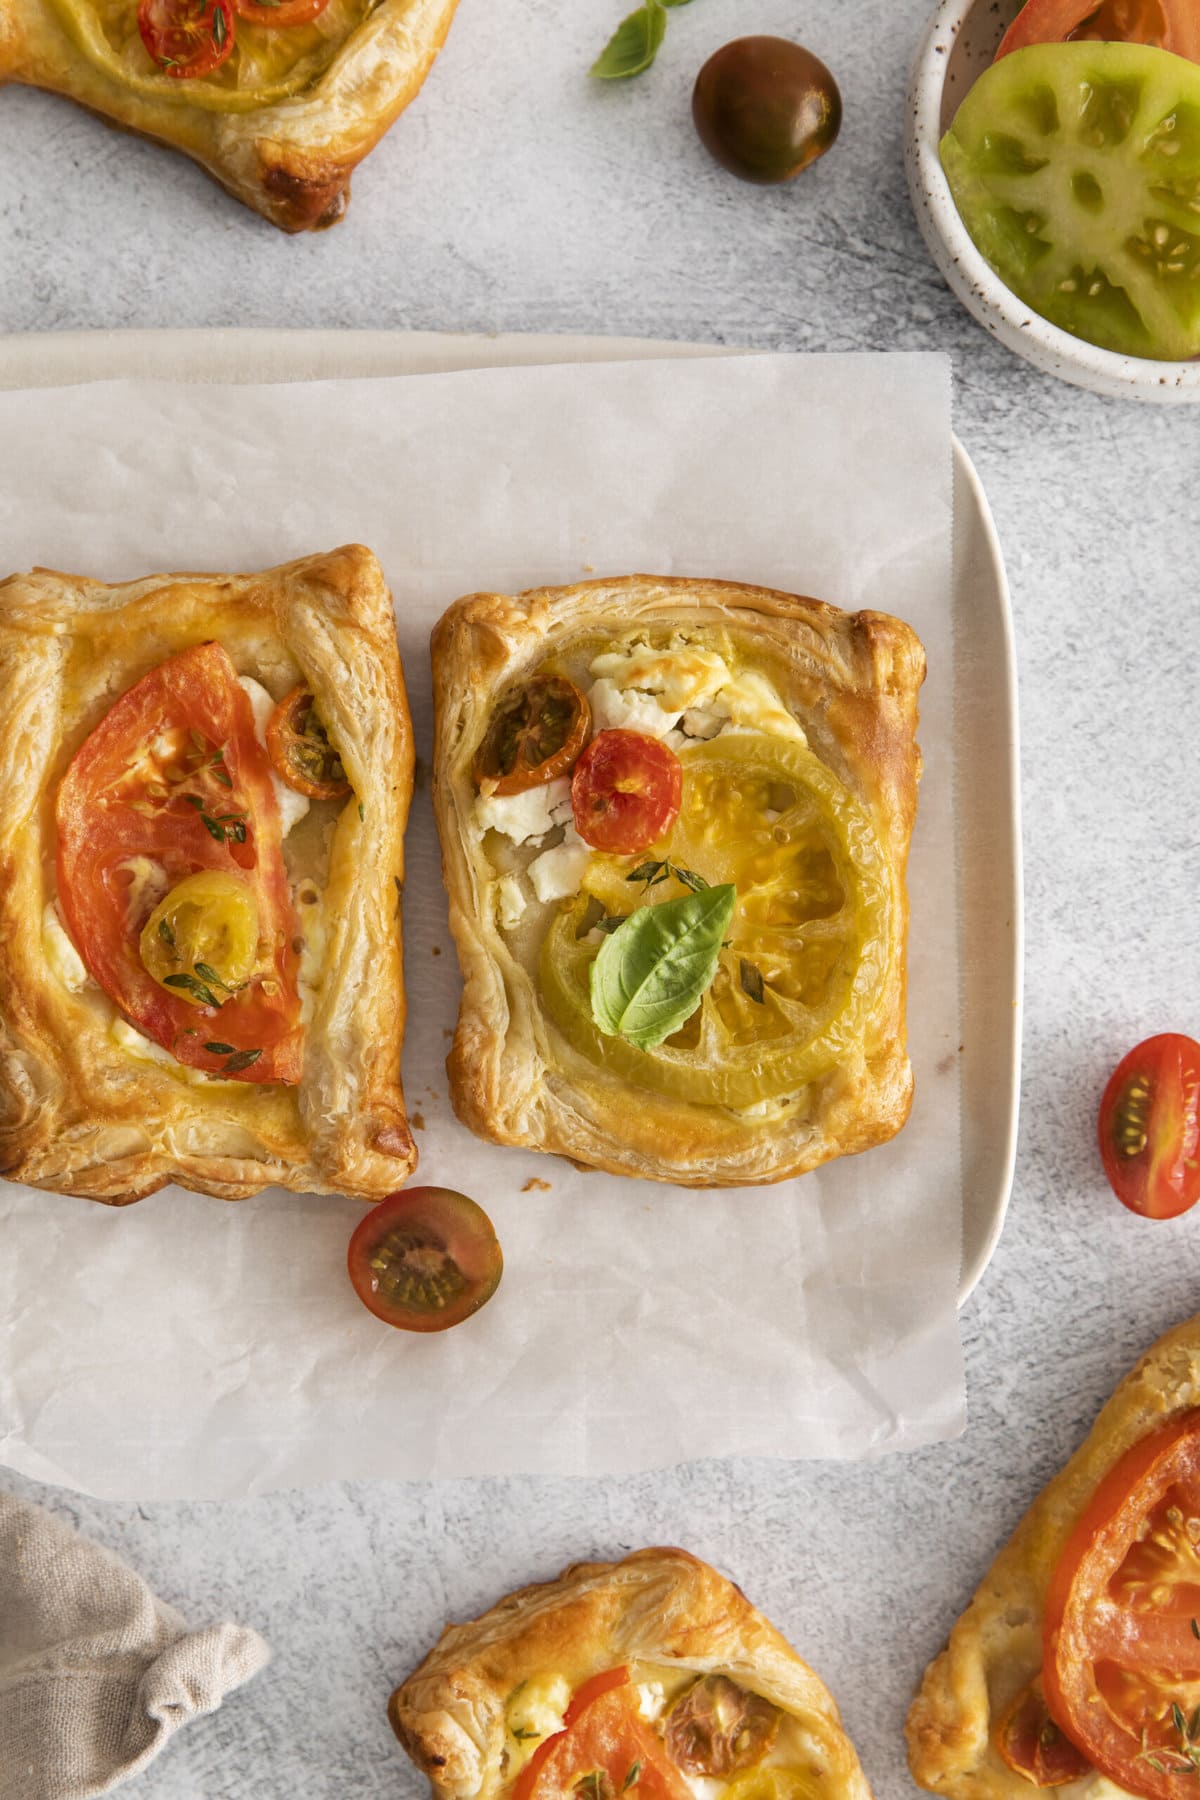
point(186, 1347)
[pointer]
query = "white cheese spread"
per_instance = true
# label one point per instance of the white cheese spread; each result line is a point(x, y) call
point(145, 1050)
point(292, 806)
point(660, 691)
point(558, 873)
point(65, 962)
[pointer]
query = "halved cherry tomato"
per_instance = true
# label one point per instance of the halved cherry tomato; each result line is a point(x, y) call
point(1150, 1127)
point(1121, 1642)
point(536, 736)
point(605, 1745)
point(280, 12)
point(171, 782)
point(1032, 1744)
point(1167, 24)
point(625, 791)
point(300, 751)
point(718, 1728)
point(425, 1259)
point(187, 37)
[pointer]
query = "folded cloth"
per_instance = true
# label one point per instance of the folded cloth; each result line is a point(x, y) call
point(95, 1672)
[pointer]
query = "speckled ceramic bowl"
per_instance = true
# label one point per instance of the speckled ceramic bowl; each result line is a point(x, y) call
point(958, 46)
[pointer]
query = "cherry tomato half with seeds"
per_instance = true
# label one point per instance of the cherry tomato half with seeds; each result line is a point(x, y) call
point(425, 1259)
point(1166, 24)
point(187, 38)
point(1150, 1127)
point(300, 752)
point(766, 108)
point(625, 791)
point(282, 12)
point(536, 736)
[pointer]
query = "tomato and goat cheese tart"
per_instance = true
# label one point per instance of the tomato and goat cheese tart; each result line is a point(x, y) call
point(675, 819)
point(652, 1676)
point(1077, 1664)
point(280, 100)
point(204, 784)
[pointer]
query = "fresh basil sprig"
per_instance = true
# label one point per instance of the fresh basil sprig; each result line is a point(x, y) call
point(651, 974)
point(634, 45)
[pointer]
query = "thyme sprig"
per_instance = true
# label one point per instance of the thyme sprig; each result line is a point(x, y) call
point(652, 873)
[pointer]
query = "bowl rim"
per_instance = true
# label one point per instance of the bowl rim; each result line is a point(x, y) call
point(972, 278)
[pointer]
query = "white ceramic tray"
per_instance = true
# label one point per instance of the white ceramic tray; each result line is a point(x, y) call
point(985, 676)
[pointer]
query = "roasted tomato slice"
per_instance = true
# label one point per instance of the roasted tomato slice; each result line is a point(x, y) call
point(1167, 24)
point(1150, 1128)
point(425, 1259)
point(536, 736)
point(301, 752)
point(280, 12)
point(625, 791)
point(1032, 1744)
point(167, 812)
point(605, 1749)
point(1121, 1642)
point(718, 1729)
point(187, 37)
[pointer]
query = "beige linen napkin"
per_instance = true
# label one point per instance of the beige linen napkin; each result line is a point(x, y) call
point(95, 1672)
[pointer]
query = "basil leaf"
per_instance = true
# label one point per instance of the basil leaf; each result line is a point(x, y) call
point(652, 973)
point(633, 45)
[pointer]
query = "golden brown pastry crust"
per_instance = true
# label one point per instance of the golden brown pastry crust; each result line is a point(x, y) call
point(290, 159)
point(996, 1646)
point(659, 1606)
point(78, 1114)
point(852, 681)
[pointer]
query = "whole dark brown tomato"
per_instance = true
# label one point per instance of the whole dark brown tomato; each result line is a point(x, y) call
point(766, 108)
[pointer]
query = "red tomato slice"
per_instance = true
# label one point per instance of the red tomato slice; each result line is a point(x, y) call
point(187, 37)
point(1150, 1127)
point(1121, 1636)
point(625, 791)
point(606, 1739)
point(285, 12)
point(1032, 1744)
point(174, 773)
point(592, 1689)
point(1167, 24)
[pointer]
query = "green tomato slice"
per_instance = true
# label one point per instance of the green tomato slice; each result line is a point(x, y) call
point(1076, 169)
point(805, 952)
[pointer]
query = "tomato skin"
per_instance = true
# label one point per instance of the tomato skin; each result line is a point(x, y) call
point(300, 753)
point(766, 108)
point(288, 12)
point(1034, 1746)
point(1167, 24)
point(1149, 1127)
point(537, 735)
point(425, 1259)
point(1106, 1642)
point(626, 791)
point(106, 814)
point(187, 38)
point(603, 1733)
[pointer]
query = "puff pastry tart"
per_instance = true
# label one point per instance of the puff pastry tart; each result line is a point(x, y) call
point(653, 1676)
point(204, 783)
point(280, 100)
point(1077, 1664)
point(675, 819)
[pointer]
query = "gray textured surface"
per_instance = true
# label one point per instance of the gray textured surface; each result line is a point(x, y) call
point(514, 197)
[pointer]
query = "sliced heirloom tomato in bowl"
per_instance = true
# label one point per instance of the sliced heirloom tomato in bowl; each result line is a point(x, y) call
point(1166, 24)
point(1149, 1127)
point(1121, 1638)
